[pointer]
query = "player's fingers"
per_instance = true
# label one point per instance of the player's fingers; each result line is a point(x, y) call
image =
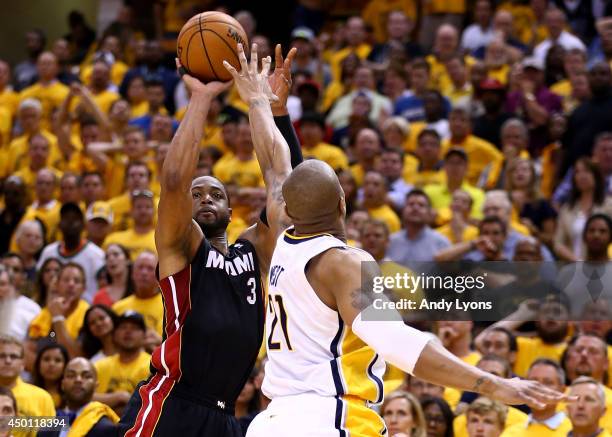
point(289, 58)
point(230, 68)
point(254, 59)
point(278, 56)
point(265, 66)
point(242, 59)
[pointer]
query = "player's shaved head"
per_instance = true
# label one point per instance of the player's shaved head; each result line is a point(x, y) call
point(313, 195)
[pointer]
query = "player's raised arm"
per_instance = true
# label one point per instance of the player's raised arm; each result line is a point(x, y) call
point(270, 147)
point(340, 274)
point(177, 236)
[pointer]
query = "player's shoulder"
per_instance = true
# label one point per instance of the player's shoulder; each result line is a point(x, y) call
point(344, 256)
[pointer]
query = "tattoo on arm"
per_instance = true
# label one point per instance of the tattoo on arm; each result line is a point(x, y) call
point(479, 383)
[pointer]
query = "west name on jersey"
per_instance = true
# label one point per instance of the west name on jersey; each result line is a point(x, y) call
point(233, 267)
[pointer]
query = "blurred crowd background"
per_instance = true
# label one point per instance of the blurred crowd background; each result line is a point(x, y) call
point(460, 130)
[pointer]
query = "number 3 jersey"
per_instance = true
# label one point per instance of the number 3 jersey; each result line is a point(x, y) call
point(213, 322)
point(310, 348)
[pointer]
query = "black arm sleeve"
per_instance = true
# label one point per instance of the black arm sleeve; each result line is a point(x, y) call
point(284, 125)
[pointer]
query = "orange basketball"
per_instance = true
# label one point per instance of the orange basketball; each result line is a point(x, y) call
point(206, 40)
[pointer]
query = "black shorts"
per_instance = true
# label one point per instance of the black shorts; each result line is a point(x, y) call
point(174, 415)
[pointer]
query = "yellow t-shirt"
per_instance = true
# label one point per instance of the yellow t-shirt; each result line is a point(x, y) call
point(9, 99)
point(41, 325)
point(32, 401)
point(135, 243)
point(48, 214)
point(537, 430)
point(499, 73)
point(562, 88)
point(530, 349)
point(114, 173)
point(422, 178)
point(50, 96)
point(452, 397)
point(118, 70)
point(241, 173)
point(440, 197)
point(480, 154)
point(114, 376)
point(140, 109)
point(469, 233)
point(6, 124)
point(104, 100)
point(332, 155)
point(152, 309)
point(376, 12)
point(513, 417)
point(438, 74)
point(444, 7)
point(335, 61)
point(388, 216)
point(18, 152)
point(236, 227)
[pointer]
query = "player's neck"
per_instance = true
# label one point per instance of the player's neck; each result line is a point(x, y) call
point(336, 229)
point(219, 242)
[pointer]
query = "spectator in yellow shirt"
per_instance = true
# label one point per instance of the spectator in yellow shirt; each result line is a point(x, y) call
point(446, 46)
point(587, 413)
point(9, 99)
point(587, 355)
point(547, 421)
point(92, 187)
point(31, 400)
point(429, 153)
point(440, 195)
point(141, 236)
point(29, 116)
point(312, 130)
point(459, 90)
point(137, 178)
point(48, 90)
point(356, 42)
point(119, 374)
point(147, 299)
point(375, 201)
point(45, 206)
point(456, 336)
point(38, 158)
point(459, 229)
point(100, 85)
point(367, 148)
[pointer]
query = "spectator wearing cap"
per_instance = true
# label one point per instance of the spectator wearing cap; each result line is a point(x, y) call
point(307, 58)
point(140, 236)
point(355, 38)
point(591, 118)
point(45, 207)
point(534, 102)
point(556, 22)
point(312, 131)
point(399, 25)
point(440, 195)
point(15, 202)
point(48, 90)
point(363, 82)
point(487, 126)
point(375, 189)
point(480, 152)
point(480, 32)
point(119, 374)
point(74, 248)
point(99, 217)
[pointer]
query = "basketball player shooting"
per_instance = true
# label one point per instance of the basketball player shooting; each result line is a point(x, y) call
point(213, 298)
point(326, 354)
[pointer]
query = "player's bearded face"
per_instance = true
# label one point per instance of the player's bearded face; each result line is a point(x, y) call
point(210, 209)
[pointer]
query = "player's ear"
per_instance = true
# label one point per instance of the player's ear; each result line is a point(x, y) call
point(229, 212)
point(342, 207)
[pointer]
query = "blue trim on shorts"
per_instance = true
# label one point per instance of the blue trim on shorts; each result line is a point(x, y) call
point(334, 363)
point(338, 421)
point(376, 379)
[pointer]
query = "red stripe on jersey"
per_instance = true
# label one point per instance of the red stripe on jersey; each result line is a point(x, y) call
point(170, 365)
point(153, 396)
point(177, 299)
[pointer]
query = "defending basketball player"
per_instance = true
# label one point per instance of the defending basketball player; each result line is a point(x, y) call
point(213, 298)
point(325, 360)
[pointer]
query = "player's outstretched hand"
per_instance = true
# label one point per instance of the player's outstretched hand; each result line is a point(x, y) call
point(518, 391)
point(250, 82)
point(280, 79)
point(195, 86)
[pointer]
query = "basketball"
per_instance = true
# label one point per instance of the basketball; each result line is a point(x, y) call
point(206, 40)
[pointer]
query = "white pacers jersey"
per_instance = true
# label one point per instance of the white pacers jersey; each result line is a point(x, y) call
point(310, 348)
